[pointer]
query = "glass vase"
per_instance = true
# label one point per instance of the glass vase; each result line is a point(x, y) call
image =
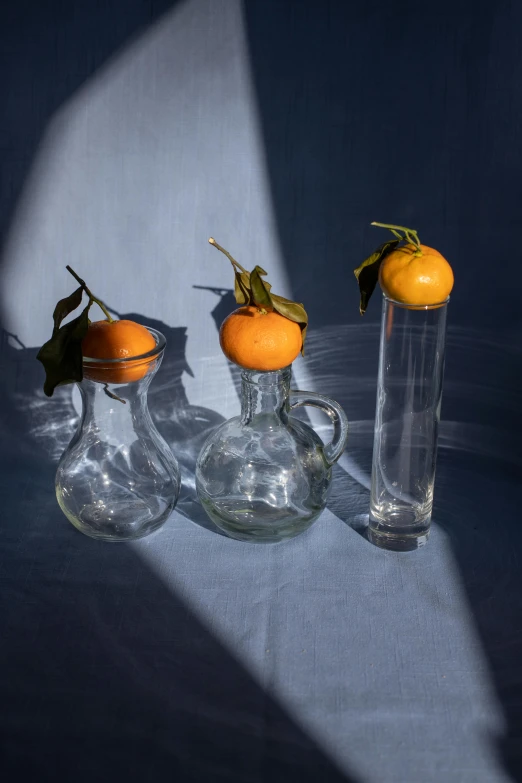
point(118, 479)
point(264, 476)
point(411, 369)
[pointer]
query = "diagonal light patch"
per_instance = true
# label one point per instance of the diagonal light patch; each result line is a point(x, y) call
point(159, 150)
point(318, 622)
point(155, 153)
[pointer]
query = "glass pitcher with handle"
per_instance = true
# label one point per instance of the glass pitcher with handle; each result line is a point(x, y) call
point(264, 476)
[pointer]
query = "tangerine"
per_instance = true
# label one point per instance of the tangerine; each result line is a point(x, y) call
point(416, 276)
point(257, 339)
point(114, 340)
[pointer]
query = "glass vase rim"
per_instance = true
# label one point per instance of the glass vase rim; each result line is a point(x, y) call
point(406, 306)
point(265, 376)
point(161, 342)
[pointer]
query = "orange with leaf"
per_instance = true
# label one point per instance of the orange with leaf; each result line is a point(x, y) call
point(268, 331)
point(107, 351)
point(408, 272)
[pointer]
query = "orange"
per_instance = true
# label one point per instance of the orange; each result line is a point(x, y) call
point(260, 340)
point(425, 279)
point(116, 340)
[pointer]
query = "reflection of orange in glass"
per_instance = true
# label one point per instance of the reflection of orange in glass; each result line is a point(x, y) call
point(260, 340)
point(117, 340)
point(416, 277)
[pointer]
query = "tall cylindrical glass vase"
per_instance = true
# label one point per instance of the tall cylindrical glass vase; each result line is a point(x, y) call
point(411, 369)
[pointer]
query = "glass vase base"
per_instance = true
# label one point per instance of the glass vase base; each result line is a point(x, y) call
point(128, 525)
point(259, 525)
point(392, 535)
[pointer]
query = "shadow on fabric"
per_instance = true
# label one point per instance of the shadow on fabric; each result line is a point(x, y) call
point(390, 111)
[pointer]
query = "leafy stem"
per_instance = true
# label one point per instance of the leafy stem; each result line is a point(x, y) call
point(233, 261)
point(250, 289)
point(89, 293)
point(367, 273)
point(410, 235)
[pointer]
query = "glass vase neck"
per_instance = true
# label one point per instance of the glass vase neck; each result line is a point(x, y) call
point(114, 390)
point(103, 395)
point(265, 393)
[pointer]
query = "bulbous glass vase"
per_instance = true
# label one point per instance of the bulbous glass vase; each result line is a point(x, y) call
point(118, 480)
point(264, 476)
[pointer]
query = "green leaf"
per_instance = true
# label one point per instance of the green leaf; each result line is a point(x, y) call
point(242, 288)
point(242, 291)
point(61, 356)
point(294, 311)
point(260, 294)
point(66, 306)
point(367, 273)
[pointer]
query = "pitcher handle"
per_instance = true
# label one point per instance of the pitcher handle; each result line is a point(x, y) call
point(335, 413)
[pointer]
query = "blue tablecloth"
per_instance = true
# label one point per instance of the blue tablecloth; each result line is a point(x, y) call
point(283, 129)
point(190, 656)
